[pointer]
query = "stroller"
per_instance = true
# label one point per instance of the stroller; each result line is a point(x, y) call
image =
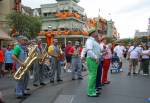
point(115, 64)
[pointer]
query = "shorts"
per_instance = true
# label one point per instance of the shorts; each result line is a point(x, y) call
point(8, 66)
point(68, 59)
point(133, 62)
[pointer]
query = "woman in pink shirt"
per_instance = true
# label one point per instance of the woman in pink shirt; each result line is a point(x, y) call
point(106, 63)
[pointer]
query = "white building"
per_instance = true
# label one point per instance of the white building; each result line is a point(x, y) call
point(48, 12)
point(139, 34)
point(37, 12)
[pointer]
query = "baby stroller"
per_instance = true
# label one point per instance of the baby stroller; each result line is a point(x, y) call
point(115, 65)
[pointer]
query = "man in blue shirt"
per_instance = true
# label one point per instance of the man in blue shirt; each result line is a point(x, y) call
point(8, 58)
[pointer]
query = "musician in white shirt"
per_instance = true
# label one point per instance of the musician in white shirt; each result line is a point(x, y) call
point(93, 55)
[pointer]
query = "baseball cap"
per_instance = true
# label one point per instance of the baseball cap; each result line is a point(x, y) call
point(21, 37)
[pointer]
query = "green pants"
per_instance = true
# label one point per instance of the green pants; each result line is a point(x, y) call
point(92, 73)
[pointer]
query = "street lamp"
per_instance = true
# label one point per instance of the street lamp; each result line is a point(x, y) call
point(49, 27)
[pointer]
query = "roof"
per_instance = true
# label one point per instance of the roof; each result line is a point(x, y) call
point(27, 9)
point(4, 35)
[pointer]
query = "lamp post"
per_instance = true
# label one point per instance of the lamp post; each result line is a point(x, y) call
point(49, 28)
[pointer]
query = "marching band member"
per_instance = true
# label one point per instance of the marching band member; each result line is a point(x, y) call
point(76, 61)
point(93, 55)
point(19, 55)
point(37, 67)
point(54, 51)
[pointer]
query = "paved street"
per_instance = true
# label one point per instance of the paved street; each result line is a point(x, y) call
point(123, 89)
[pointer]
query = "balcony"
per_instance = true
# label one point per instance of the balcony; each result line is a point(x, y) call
point(49, 18)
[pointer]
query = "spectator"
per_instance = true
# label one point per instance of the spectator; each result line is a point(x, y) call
point(1, 61)
point(8, 59)
point(120, 49)
point(106, 63)
point(133, 54)
point(145, 60)
point(68, 55)
point(76, 61)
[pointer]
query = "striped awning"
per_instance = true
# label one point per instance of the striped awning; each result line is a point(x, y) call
point(4, 35)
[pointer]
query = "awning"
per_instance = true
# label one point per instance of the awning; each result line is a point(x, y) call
point(4, 35)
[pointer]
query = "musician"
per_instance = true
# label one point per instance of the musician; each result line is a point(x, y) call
point(76, 61)
point(19, 55)
point(55, 51)
point(37, 66)
point(26, 75)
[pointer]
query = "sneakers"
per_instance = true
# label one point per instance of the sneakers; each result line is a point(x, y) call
point(26, 94)
point(59, 80)
point(129, 74)
point(108, 82)
point(21, 97)
point(121, 70)
point(80, 78)
point(145, 74)
point(51, 81)
point(69, 70)
point(73, 79)
point(36, 85)
point(42, 84)
point(93, 95)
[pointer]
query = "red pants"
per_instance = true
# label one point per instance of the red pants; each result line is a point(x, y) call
point(106, 65)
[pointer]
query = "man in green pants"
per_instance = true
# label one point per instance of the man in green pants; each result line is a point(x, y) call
point(93, 54)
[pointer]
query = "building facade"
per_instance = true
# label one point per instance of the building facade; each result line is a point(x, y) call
point(139, 34)
point(65, 18)
point(49, 13)
point(111, 30)
point(6, 6)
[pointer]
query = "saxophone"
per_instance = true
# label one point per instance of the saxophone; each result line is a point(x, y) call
point(32, 55)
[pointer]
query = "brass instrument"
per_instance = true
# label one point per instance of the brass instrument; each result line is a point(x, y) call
point(59, 54)
point(44, 55)
point(29, 60)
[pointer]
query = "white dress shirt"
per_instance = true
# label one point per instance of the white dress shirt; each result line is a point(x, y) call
point(93, 48)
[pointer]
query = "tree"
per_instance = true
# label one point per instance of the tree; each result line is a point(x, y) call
point(110, 39)
point(34, 27)
point(24, 24)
